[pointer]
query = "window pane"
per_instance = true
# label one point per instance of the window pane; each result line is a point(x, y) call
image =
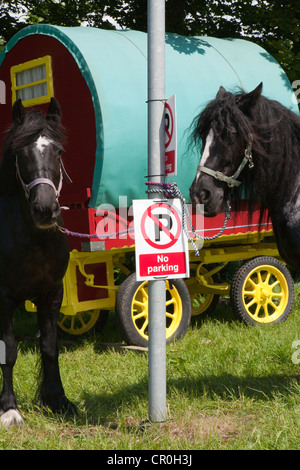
point(34, 91)
point(25, 80)
point(31, 75)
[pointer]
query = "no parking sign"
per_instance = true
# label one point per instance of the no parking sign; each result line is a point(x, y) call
point(161, 248)
point(170, 137)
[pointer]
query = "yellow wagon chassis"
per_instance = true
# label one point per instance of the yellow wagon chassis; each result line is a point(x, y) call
point(261, 297)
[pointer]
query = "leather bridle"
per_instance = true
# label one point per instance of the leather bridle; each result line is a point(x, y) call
point(230, 180)
point(28, 187)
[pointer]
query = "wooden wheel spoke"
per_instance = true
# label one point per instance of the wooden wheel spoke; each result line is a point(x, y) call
point(138, 303)
point(254, 284)
point(275, 306)
point(252, 302)
point(139, 315)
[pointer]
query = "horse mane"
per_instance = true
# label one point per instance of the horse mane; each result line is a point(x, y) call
point(34, 124)
point(276, 143)
point(20, 135)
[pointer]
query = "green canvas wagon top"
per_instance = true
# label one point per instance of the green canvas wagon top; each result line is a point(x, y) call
point(100, 80)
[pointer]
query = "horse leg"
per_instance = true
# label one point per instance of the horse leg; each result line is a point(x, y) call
point(9, 413)
point(52, 394)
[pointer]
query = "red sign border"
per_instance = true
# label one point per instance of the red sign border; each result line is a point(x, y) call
point(143, 231)
point(168, 107)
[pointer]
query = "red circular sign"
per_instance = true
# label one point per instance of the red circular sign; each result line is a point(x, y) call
point(169, 129)
point(148, 213)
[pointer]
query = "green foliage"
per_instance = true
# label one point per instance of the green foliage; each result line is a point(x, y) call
point(273, 24)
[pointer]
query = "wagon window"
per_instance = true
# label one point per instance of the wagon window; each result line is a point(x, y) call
point(32, 81)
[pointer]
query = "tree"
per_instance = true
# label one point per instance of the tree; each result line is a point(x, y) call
point(274, 24)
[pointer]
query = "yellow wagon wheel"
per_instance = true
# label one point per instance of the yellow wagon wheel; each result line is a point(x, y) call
point(79, 323)
point(201, 302)
point(262, 291)
point(132, 310)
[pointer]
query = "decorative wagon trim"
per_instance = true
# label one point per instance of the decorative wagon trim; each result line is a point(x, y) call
point(47, 80)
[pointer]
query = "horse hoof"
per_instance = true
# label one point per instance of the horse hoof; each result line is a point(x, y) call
point(61, 406)
point(69, 409)
point(11, 418)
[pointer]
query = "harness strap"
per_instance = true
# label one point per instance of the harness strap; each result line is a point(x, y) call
point(28, 187)
point(37, 181)
point(231, 180)
point(66, 176)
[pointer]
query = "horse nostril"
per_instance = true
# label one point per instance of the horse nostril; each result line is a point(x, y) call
point(55, 210)
point(204, 196)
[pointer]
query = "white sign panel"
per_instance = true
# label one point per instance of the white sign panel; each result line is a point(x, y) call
point(161, 247)
point(171, 137)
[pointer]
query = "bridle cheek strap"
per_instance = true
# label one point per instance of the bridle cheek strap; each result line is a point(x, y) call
point(28, 187)
point(231, 180)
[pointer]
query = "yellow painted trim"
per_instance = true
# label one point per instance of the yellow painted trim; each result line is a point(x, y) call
point(71, 304)
point(46, 60)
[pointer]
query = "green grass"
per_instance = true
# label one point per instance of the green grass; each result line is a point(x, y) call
point(229, 386)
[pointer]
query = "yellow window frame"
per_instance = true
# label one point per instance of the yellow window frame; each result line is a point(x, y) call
point(46, 60)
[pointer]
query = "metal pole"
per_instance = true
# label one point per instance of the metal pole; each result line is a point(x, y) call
point(156, 156)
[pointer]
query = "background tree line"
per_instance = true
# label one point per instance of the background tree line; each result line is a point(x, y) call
point(273, 24)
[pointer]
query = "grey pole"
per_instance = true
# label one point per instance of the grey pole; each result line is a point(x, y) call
point(156, 155)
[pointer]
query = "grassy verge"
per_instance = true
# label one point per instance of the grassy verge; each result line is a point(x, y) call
point(229, 386)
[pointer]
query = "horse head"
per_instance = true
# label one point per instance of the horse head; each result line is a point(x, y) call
point(38, 161)
point(225, 132)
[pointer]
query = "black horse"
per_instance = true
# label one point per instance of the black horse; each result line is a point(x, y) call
point(34, 254)
point(255, 141)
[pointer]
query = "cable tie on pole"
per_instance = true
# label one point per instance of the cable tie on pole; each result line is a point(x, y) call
point(155, 176)
point(163, 100)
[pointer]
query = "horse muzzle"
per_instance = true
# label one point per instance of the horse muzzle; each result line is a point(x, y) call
point(44, 206)
point(45, 216)
point(211, 196)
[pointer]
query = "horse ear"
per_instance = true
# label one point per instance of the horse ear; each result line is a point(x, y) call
point(221, 92)
point(54, 111)
point(248, 100)
point(18, 112)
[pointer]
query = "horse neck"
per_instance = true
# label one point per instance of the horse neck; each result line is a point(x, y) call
point(13, 198)
point(8, 181)
point(276, 157)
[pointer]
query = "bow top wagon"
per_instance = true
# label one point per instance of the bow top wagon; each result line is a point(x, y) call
point(99, 78)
